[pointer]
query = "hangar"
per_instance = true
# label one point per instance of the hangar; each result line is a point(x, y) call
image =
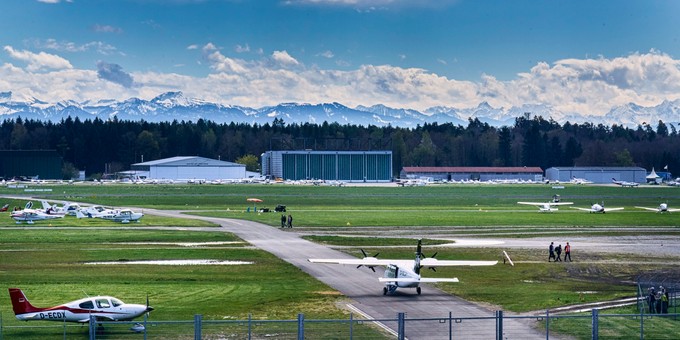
point(452, 173)
point(595, 174)
point(188, 168)
point(350, 166)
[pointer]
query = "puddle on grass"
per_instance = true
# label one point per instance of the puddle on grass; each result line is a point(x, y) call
point(177, 262)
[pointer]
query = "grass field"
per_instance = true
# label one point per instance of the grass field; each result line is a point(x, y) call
point(47, 259)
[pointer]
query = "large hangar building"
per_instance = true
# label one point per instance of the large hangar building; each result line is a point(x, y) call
point(451, 173)
point(188, 168)
point(46, 164)
point(598, 175)
point(348, 166)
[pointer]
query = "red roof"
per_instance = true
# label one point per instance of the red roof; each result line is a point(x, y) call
point(473, 169)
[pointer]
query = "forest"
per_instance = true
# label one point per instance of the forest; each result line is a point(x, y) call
point(100, 147)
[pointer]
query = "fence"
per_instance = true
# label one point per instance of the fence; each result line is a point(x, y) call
point(593, 325)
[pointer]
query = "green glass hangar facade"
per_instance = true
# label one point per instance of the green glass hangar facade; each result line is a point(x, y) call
point(350, 166)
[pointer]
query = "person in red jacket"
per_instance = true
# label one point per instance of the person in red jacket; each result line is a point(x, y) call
point(567, 252)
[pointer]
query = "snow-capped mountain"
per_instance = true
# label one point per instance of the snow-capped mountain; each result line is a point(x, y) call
point(175, 106)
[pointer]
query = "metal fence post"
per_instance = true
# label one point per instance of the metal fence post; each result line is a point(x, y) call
point(250, 325)
point(547, 324)
point(595, 324)
point(93, 327)
point(450, 325)
point(499, 325)
point(198, 325)
point(642, 324)
point(301, 327)
point(350, 325)
point(400, 326)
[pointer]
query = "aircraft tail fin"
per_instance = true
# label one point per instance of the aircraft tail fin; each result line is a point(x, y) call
point(20, 303)
point(45, 204)
point(79, 214)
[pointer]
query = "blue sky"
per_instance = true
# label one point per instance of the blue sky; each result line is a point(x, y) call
point(573, 55)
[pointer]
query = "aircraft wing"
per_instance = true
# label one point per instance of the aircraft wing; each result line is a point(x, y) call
point(543, 203)
point(650, 209)
point(422, 279)
point(583, 209)
point(673, 209)
point(612, 209)
point(433, 262)
point(368, 262)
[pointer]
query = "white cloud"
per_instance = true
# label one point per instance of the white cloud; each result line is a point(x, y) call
point(192, 47)
point(242, 49)
point(106, 29)
point(53, 1)
point(67, 46)
point(326, 54)
point(587, 86)
point(38, 61)
point(283, 58)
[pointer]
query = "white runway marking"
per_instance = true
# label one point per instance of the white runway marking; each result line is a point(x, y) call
point(177, 262)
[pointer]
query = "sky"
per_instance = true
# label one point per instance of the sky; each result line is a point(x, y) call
point(577, 56)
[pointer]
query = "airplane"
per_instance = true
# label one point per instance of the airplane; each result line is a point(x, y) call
point(546, 206)
point(5, 207)
point(103, 308)
point(405, 273)
point(625, 183)
point(29, 215)
point(97, 210)
point(122, 216)
point(662, 208)
point(66, 209)
point(575, 180)
point(597, 208)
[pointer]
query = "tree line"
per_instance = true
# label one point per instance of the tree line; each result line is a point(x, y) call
point(99, 146)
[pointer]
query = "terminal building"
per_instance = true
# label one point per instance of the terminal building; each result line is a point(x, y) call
point(595, 174)
point(451, 173)
point(348, 166)
point(188, 168)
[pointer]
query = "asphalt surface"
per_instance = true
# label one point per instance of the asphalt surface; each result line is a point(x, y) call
point(364, 291)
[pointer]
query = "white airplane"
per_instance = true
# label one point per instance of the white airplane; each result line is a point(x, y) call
point(575, 180)
point(29, 215)
point(598, 208)
point(122, 216)
point(625, 184)
point(662, 208)
point(97, 210)
point(546, 206)
point(405, 273)
point(66, 209)
point(103, 308)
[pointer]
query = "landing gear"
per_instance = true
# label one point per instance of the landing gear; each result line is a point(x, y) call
point(384, 290)
point(418, 290)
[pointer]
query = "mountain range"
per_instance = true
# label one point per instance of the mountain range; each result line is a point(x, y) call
point(171, 106)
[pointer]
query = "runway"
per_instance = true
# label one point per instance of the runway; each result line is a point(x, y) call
point(361, 286)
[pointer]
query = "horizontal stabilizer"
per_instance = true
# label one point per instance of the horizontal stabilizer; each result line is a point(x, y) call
point(422, 279)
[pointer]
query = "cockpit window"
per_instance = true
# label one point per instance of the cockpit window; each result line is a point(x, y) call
point(116, 302)
point(103, 303)
point(86, 305)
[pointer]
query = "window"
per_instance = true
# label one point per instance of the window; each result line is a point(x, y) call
point(103, 303)
point(116, 302)
point(86, 305)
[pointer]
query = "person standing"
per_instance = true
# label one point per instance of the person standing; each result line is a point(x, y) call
point(567, 252)
point(290, 221)
point(283, 220)
point(558, 252)
point(551, 249)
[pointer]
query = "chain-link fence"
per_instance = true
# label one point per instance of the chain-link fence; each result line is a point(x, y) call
point(500, 325)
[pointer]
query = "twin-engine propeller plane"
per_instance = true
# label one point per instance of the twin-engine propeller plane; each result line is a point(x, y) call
point(546, 206)
point(405, 273)
point(103, 308)
point(598, 208)
point(662, 208)
point(122, 216)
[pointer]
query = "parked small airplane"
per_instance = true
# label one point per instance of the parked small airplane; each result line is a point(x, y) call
point(103, 308)
point(662, 208)
point(66, 209)
point(122, 216)
point(598, 208)
point(97, 210)
point(546, 206)
point(625, 183)
point(5, 207)
point(29, 215)
point(575, 180)
point(405, 273)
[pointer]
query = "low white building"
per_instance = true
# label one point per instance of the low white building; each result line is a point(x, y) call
point(189, 168)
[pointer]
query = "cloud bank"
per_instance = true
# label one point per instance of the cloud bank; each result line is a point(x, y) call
point(585, 86)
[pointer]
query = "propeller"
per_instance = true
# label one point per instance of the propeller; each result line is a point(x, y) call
point(366, 255)
point(148, 308)
point(433, 256)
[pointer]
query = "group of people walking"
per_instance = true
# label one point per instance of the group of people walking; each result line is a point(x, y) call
point(657, 300)
point(555, 253)
point(286, 222)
